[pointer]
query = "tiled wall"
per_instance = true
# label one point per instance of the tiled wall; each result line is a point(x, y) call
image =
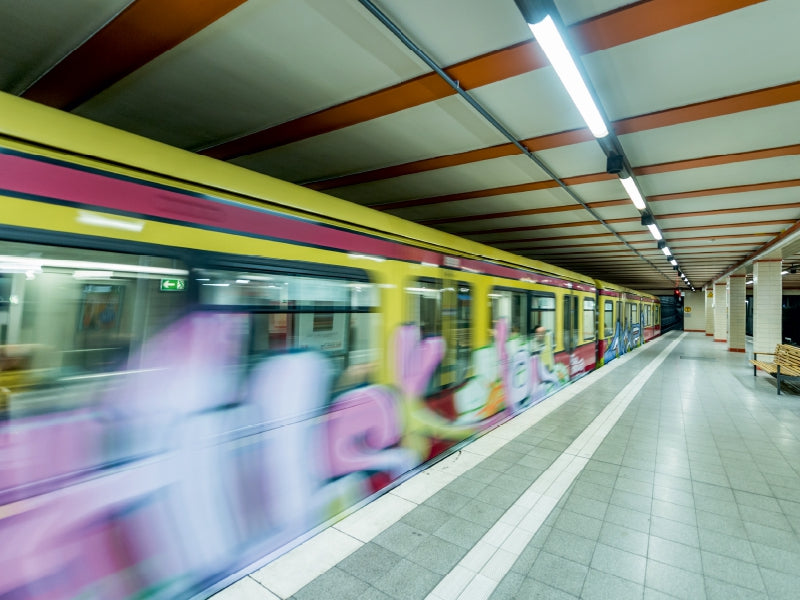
point(720, 312)
point(736, 313)
point(767, 294)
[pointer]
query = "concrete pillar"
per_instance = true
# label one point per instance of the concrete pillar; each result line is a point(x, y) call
point(720, 312)
point(736, 313)
point(767, 300)
point(709, 294)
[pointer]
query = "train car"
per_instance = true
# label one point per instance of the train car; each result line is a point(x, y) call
point(201, 365)
point(627, 319)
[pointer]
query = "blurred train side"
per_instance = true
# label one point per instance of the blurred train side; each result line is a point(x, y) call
point(200, 365)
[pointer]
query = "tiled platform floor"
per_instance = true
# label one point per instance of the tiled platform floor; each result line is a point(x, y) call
point(671, 473)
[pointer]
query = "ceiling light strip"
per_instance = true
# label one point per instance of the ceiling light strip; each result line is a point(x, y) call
point(378, 14)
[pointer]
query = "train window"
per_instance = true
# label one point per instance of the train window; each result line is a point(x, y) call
point(425, 305)
point(634, 315)
point(588, 318)
point(302, 312)
point(70, 318)
point(512, 306)
point(543, 317)
point(608, 318)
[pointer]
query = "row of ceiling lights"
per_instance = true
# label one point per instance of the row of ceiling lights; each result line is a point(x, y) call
point(542, 18)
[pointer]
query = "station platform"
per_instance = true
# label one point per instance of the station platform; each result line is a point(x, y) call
point(672, 472)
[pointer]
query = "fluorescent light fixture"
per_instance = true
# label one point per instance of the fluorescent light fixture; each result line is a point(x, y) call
point(93, 274)
point(633, 192)
point(550, 40)
point(654, 231)
point(666, 251)
point(38, 263)
point(674, 262)
point(784, 272)
point(89, 218)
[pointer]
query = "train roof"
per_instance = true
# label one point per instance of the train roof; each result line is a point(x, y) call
point(88, 143)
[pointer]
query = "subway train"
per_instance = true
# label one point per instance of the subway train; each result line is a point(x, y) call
point(201, 365)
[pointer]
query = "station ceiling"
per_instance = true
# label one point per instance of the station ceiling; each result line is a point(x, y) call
point(351, 97)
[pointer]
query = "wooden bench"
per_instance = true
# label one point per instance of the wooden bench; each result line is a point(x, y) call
point(785, 362)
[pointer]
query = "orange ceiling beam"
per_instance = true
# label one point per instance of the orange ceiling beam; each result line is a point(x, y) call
point(720, 159)
point(620, 26)
point(143, 31)
point(683, 114)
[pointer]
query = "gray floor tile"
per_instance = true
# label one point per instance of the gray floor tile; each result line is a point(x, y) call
point(634, 519)
point(769, 536)
point(497, 496)
point(527, 557)
point(593, 490)
point(674, 531)
point(619, 563)
point(776, 559)
point(764, 517)
point(757, 501)
point(465, 486)
point(674, 512)
point(480, 512)
point(437, 555)
point(586, 506)
point(570, 546)
point(371, 562)
point(447, 500)
point(624, 538)
point(401, 539)
point(578, 524)
point(407, 580)
point(723, 590)
point(508, 589)
point(780, 586)
point(734, 571)
point(461, 532)
point(675, 554)
point(603, 586)
point(718, 507)
point(372, 593)
point(425, 518)
point(726, 545)
point(559, 573)
point(334, 584)
point(729, 525)
point(631, 501)
point(673, 581)
point(532, 589)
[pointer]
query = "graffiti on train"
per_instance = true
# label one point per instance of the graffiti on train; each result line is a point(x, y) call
point(198, 462)
point(626, 337)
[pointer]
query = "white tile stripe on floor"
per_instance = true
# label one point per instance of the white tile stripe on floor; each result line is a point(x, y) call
point(297, 568)
point(485, 565)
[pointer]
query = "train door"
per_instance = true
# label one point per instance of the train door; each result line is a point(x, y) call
point(571, 332)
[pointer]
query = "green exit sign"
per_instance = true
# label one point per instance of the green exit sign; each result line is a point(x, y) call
point(173, 285)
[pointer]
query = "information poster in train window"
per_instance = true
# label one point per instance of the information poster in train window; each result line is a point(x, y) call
point(322, 331)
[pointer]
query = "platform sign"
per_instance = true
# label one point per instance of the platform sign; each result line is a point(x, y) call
point(173, 285)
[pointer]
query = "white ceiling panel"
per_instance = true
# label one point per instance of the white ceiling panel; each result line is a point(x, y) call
point(439, 128)
point(701, 61)
point(729, 201)
point(572, 11)
point(37, 34)
point(234, 63)
point(519, 103)
point(452, 31)
point(576, 159)
point(740, 173)
point(483, 175)
point(770, 127)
